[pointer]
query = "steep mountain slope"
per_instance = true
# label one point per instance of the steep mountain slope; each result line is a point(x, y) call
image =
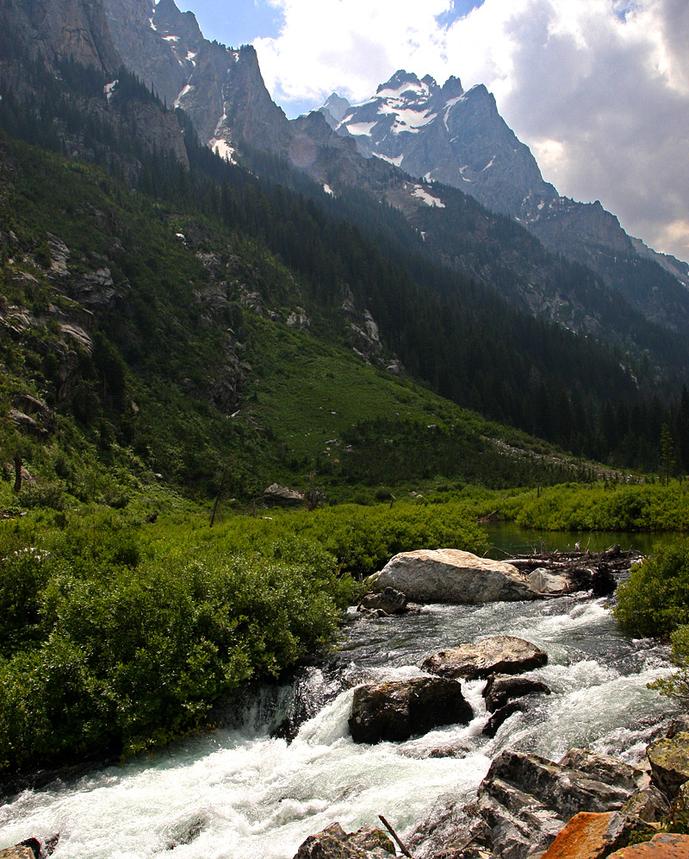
point(458, 138)
point(142, 339)
point(223, 93)
point(154, 312)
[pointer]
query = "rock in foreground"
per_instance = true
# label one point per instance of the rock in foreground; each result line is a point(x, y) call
point(525, 801)
point(398, 710)
point(335, 843)
point(501, 654)
point(670, 763)
point(452, 576)
point(589, 836)
point(667, 845)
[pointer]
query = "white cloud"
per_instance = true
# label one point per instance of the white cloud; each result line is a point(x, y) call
point(598, 88)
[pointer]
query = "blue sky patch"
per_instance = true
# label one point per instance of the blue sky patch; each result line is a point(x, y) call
point(235, 22)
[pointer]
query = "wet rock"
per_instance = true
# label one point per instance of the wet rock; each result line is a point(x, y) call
point(667, 845)
point(186, 831)
point(564, 790)
point(282, 496)
point(647, 804)
point(32, 848)
point(669, 760)
point(603, 582)
point(396, 710)
point(501, 715)
point(501, 654)
point(459, 749)
point(605, 769)
point(550, 584)
point(335, 843)
point(389, 601)
point(452, 576)
point(590, 836)
point(18, 852)
point(523, 803)
point(499, 690)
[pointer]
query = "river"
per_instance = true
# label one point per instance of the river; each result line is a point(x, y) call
point(240, 793)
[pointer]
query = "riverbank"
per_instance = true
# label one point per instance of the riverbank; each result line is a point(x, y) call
point(262, 796)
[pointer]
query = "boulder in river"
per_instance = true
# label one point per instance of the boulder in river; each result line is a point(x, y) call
point(389, 601)
point(670, 763)
point(397, 710)
point(500, 689)
point(452, 576)
point(335, 843)
point(501, 715)
point(501, 654)
point(550, 584)
point(32, 848)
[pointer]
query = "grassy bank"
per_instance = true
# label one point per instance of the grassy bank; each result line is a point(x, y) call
point(599, 507)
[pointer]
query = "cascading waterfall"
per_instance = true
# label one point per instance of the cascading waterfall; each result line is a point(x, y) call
point(240, 793)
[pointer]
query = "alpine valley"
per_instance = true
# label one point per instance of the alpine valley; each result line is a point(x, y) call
point(380, 315)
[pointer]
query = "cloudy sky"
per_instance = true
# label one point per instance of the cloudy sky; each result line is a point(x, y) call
point(598, 88)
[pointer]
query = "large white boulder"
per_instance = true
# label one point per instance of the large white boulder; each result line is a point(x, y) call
point(453, 576)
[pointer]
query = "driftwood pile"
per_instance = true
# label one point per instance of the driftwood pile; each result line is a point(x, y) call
point(600, 572)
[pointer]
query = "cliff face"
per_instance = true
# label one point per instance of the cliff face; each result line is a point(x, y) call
point(36, 36)
point(59, 29)
point(444, 134)
point(220, 89)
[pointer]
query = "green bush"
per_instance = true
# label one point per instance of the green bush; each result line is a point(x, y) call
point(677, 685)
point(111, 646)
point(655, 599)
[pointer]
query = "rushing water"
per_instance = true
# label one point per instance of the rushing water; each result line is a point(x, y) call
point(240, 794)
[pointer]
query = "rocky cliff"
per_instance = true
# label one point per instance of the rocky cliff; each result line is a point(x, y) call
point(458, 138)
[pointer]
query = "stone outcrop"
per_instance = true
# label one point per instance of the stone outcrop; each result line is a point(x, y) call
point(525, 801)
point(282, 496)
point(501, 654)
point(397, 710)
point(335, 843)
point(669, 760)
point(501, 715)
point(453, 576)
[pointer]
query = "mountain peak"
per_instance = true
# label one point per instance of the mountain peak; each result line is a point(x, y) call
point(337, 106)
point(400, 79)
point(452, 88)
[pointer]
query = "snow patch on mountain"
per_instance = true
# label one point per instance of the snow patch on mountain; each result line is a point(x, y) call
point(396, 161)
point(361, 129)
point(427, 198)
point(184, 91)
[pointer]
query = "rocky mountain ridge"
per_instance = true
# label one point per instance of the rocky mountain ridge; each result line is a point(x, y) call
point(416, 127)
point(458, 138)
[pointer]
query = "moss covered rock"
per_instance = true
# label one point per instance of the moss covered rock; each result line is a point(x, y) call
point(670, 763)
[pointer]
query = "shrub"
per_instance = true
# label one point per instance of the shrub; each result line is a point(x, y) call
point(655, 599)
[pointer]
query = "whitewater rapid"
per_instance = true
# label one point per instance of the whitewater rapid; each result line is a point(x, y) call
point(242, 794)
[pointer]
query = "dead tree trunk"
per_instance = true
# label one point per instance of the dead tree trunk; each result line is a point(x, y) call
point(18, 466)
